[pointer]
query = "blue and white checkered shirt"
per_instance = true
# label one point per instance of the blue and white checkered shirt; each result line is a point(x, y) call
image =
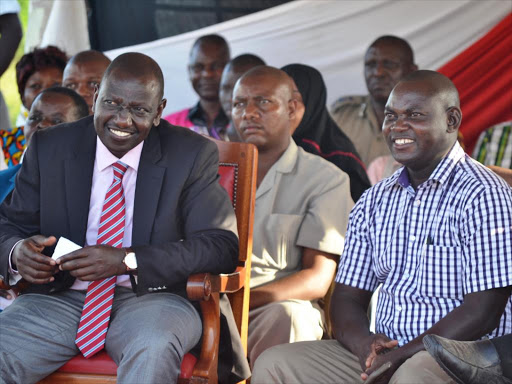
point(430, 247)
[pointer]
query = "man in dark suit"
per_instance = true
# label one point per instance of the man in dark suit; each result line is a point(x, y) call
point(177, 220)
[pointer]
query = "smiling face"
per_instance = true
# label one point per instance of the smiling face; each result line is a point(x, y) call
point(385, 64)
point(419, 126)
point(38, 82)
point(47, 110)
point(263, 111)
point(84, 77)
point(205, 68)
point(125, 108)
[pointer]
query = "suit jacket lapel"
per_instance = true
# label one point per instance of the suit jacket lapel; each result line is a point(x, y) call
point(150, 178)
point(78, 181)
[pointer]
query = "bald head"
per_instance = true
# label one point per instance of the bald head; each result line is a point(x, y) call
point(207, 59)
point(273, 77)
point(233, 70)
point(388, 60)
point(137, 66)
point(401, 46)
point(422, 118)
point(89, 56)
point(245, 62)
point(264, 109)
point(434, 84)
point(128, 103)
point(214, 41)
point(83, 73)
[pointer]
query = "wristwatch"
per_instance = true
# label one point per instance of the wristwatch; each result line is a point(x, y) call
point(130, 260)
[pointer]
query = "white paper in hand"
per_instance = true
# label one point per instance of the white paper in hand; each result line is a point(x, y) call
point(64, 246)
point(4, 303)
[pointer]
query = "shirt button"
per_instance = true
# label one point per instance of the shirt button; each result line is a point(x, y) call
point(417, 203)
point(413, 238)
point(399, 308)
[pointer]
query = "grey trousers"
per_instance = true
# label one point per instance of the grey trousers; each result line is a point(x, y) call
point(147, 336)
point(327, 362)
point(282, 322)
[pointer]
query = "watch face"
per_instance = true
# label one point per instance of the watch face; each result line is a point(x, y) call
point(130, 260)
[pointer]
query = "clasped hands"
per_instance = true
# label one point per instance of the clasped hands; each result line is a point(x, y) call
point(377, 350)
point(87, 264)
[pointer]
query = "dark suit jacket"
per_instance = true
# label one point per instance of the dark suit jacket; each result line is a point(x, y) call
point(183, 221)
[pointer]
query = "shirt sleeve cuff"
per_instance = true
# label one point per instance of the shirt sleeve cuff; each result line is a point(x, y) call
point(14, 275)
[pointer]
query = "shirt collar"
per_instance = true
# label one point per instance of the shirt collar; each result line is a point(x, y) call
point(285, 164)
point(196, 115)
point(441, 173)
point(447, 164)
point(287, 161)
point(104, 158)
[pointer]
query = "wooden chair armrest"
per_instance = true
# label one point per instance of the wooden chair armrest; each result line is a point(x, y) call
point(205, 288)
point(4, 285)
point(230, 282)
point(201, 285)
point(199, 288)
point(20, 286)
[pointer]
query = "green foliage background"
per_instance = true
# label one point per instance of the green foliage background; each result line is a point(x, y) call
point(8, 79)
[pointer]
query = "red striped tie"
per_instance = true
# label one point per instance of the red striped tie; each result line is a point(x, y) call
point(92, 330)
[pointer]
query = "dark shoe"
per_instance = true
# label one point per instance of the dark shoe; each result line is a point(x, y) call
point(467, 362)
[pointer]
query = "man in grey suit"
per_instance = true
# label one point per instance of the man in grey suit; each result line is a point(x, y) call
point(178, 220)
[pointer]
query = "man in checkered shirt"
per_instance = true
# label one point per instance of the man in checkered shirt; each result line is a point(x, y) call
point(436, 235)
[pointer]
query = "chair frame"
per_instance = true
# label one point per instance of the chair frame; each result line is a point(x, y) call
point(205, 287)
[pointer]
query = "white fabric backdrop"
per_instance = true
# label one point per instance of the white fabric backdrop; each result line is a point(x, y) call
point(62, 23)
point(332, 35)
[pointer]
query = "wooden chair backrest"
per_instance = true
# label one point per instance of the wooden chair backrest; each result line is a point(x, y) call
point(238, 163)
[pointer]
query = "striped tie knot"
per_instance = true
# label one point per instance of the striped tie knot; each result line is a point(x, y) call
point(119, 169)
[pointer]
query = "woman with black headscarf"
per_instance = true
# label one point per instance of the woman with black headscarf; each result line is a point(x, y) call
point(317, 132)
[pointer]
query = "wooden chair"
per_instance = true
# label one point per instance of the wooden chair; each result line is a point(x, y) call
point(237, 170)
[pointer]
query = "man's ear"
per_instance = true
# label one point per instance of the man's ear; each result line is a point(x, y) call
point(298, 115)
point(292, 108)
point(95, 97)
point(454, 118)
point(160, 109)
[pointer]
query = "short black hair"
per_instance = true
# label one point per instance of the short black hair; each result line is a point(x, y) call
point(402, 44)
point(81, 107)
point(88, 56)
point(246, 60)
point(36, 60)
point(137, 64)
point(213, 39)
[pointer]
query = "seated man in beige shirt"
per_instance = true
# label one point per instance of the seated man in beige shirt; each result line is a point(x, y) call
point(386, 62)
point(302, 208)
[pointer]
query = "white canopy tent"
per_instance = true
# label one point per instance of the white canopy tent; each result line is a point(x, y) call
point(330, 35)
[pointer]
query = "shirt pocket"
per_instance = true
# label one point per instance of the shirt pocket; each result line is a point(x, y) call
point(281, 236)
point(441, 272)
